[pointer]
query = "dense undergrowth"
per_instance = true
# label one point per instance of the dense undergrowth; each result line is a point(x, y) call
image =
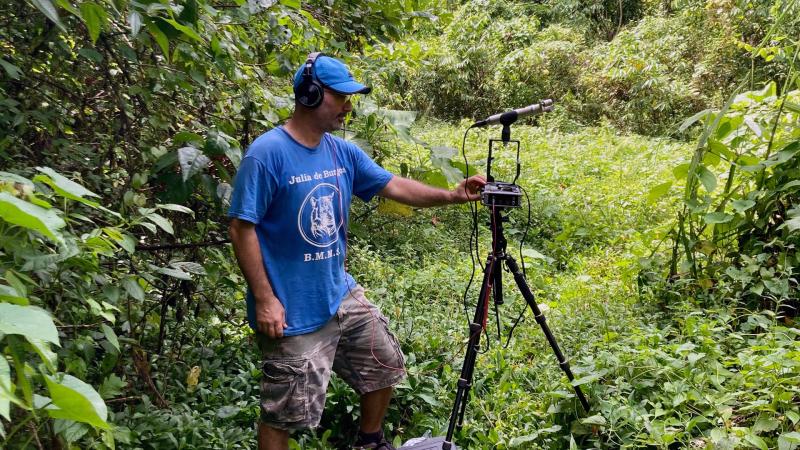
point(661, 242)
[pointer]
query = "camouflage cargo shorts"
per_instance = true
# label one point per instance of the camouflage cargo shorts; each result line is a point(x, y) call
point(356, 344)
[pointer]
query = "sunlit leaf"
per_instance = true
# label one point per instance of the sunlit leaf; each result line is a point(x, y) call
point(28, 321)
point(594, 420)
point(5, 388)
point(65, 187)
point(174, 207)
point(75, 400)
point(11, 295)
point(27, 215)
point(658, 191)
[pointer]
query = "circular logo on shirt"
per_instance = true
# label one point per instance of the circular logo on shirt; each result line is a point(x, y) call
point(320, 215)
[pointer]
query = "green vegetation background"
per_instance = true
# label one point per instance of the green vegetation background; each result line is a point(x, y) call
point(661, 241)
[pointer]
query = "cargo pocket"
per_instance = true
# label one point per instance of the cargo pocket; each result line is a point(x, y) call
point(284, 386)
point(393, 341)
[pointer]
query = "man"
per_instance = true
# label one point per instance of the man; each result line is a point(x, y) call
point(289, 211)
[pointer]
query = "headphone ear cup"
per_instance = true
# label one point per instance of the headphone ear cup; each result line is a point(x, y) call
point(310, 93)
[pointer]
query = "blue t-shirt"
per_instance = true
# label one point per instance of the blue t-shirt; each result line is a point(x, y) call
point(299, 198)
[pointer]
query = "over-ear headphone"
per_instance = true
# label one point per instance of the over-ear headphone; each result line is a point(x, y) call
point(310, 92)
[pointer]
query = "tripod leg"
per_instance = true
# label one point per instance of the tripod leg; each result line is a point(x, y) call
point(473, 346)
point(540, 319)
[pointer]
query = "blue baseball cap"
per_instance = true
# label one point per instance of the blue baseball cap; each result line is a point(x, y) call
point(334, 75)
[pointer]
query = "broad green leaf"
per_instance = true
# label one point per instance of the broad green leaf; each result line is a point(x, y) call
point(192, 162)
point(187, 31)
point(5, 388)
point(756, 441)
point(753, 125)
point(793, 224)
point(708, 179)
point(691, 120)
point(18, 280)
point(717, 217)
point(174, 273)
point(190, 267)
point(234, 154)
point(789, 441)
point(76, 400)
point(587, 379)
point(742, 205)
point(519, 440)
point(435, 178)
point(161, 39)
point(124, 240)
point(11, 295)
point(681, 171)
point(174, 207)
point(110, 335)
point(133, 288)
point(294, 4)
point(14, 178)
point(765, 424)
point(721, 149)
point(135, 21)
point(12, 70)
point(47, 8)
point(29, 321)
point(658, 191)
point(533, 254)
point(111, 387)
point(597, 419)
point(95, 18)
point(187, 136)
point(65, 187)
point(48, 356)
point(27, 215)
point(162, 222)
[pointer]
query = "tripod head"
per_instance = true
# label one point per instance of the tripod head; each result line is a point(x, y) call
point(498, 194)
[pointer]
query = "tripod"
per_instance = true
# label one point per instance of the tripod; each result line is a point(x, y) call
point(493, 283)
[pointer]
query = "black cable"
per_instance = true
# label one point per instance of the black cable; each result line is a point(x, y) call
point(473, 232)
point(522, 262)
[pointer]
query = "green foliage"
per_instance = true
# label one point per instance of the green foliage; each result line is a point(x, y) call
point(642, 79)
point(123, 123)
point(54, 269)
point(735, 237)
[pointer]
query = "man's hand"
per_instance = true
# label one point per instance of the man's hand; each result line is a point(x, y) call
point(469, 190)
point(270, 316)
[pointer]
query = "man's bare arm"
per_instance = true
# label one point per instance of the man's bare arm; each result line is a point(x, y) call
point(270, 314)
point(414, 193)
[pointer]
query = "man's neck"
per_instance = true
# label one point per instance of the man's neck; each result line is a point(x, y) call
point(304, 131)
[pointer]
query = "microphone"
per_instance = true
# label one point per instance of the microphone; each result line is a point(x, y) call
point(509, 117)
